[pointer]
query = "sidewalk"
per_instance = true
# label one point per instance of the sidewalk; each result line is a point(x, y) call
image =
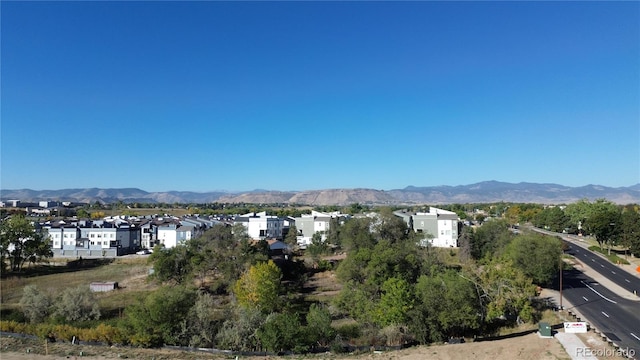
point(571, 343)
point(576, 349)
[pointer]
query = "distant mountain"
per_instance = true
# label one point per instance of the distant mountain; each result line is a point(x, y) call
point(483, 192)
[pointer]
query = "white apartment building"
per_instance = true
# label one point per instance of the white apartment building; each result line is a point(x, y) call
point(316, 222)
point(440, 227)
point(261, 226)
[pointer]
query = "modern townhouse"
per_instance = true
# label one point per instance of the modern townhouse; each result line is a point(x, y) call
point(316, 222)
point(261, 226)
point(440, 228)
point(93, 238)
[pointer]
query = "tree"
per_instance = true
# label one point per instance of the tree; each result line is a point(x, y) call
point(446, 305)
point(259, 287)
point(581, 211)
point(160, 317)
point(292, 236)
point(503, 290)
point(355, 234)
point(395, 302)
point(204, 320)
point(171, 264)
point(490, 239)
point(605, 225)
point(317, 246)
point(537, 255)
point(282, 332)
point(21, 243)
point(630, 231)
point(319, 330)
point(240, 332)
point(77, 304)
point(35, 304)
point(465, 241)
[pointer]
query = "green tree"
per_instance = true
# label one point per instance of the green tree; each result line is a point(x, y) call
point(581, 211)
point(283, 332)
point(605, 225)
point(317, 247)
point(356, 234)
point(35, 304)
point(537, 256)
point(204, 320)
point(446, 305)
point(260, 287)
point(161, 317)
point(77, 304)
point(292, 237)
point(395, 302)
point(172, 264)
point(504, 291)
point(490, 239)
point(319, 330)
point(390, 227)
point(630, 231)
point(21, 243)
point(240, 332)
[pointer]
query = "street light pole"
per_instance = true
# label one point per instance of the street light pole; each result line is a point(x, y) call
point(561, 283)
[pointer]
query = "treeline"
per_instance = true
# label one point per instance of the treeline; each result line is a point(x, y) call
point(608, 223)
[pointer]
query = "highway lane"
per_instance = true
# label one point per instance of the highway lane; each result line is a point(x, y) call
point(611, 271)
point(616, 317)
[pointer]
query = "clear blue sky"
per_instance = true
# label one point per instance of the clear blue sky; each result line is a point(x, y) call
point(204, 96)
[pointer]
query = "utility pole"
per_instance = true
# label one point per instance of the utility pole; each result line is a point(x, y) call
point(561, 282)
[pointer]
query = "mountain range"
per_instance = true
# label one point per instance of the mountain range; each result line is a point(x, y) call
point(482, 192)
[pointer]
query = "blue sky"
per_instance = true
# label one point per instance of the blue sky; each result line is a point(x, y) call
point(202, 96)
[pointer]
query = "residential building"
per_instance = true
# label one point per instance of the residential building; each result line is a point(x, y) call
point(440, 228)
point(261, 226)
point(316, 222)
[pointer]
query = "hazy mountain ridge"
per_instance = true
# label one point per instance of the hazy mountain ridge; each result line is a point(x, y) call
point(483, 192)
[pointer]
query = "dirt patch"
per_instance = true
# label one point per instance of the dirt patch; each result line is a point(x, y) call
point(323, 286)
point(525, 347)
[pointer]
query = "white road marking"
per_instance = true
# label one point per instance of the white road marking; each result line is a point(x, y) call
point(594, 290)
point(627, 280)
point(585, 299)
point(634, 335)
point(613, 272)
point(601, 265)
point(604, 313)
point(593, 260)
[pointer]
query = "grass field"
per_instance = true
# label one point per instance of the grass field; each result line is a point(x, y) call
point(130, 273)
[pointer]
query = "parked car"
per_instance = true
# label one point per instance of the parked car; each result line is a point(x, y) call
point(143, 252)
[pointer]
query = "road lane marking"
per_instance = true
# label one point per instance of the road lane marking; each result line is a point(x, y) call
point(627, 280)
point(604, 313)
point(601, 265)
point(585, 299)
point(613, 272)
point(593, 260)
point(595, 291)
point(634, 335)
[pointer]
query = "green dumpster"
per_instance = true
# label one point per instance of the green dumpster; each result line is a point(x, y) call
point(544, 329)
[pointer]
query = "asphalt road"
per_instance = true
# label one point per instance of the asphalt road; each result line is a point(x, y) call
point(618, 276)
point(616, 317)
point(605, 268)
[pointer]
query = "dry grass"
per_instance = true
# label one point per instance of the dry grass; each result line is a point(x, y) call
point(129, 272)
